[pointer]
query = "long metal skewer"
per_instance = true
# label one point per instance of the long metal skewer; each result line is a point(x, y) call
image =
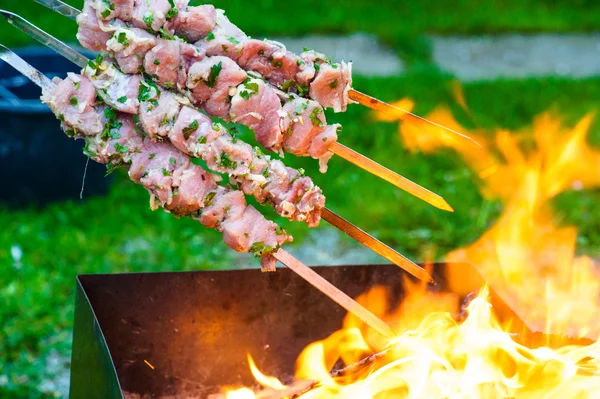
point(337, 221)
point(346, 153)
point(284, 257)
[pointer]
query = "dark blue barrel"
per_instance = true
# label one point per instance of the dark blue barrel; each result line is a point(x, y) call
point(38, 162)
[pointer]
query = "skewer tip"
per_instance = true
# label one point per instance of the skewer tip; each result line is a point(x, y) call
point(445, 206)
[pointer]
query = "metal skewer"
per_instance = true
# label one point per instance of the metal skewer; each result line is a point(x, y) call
point(381, 106)
point(284, 257)
point(346, 153)
point(337, 221)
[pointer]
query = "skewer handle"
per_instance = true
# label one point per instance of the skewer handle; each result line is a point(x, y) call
point(333, 292)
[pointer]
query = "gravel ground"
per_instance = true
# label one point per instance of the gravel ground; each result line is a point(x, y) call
point(369, 57)
point(518, 56)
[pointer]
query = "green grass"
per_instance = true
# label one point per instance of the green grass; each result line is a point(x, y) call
point(400, 23)
point(119, 233)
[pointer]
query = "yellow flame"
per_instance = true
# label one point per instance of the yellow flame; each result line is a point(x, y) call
point(445, 350)
point(264, 380)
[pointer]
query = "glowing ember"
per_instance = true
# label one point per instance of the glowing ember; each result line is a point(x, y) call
point(444, 350)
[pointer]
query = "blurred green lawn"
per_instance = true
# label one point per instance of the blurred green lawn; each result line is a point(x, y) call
point(119, 233)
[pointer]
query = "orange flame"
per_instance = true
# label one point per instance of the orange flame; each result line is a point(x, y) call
point(443, 351)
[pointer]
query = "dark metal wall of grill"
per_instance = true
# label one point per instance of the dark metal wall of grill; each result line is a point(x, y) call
point(196, 328)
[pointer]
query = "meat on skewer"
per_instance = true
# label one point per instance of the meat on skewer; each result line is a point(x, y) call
point(163, 114)
point(325, 151)
point(223, 89)
point(310, 74)
point(174, 183)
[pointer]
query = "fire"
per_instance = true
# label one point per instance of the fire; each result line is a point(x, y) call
point(448, 349)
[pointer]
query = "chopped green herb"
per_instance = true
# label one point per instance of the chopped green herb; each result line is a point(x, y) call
point(120, 148)
point(73, 101)
point(136, 119)
point(122, 38)
point(61, 117)
point(324, 139)
point(214, 74)
point(280, 231)
point(224, 47)
point(216, 127)
point(233, 40)
point(334, 84)
point(209, 198)
point(169, 85)
point(287, 84)
point(299, 62)
point(110, 167)
point(110, 113)
point(156, 61)
point(317, 67)
point(314, 116)
point(306, 49)
point(250, 88)
point(210, 36)
point(334, 66)
point(261, 52)
point(187, 131)
point(145, 90)
point(76, 84)
point(277, 64)
point(226, 162)
point(202, 139)
point(175, 191)
point(173, 11)
point(151, 156)
point(302, 91)
point(122, 100)
point(172, 161)
point(165, 172)
point(259, 249)
point(165, 34)
point(148, 20)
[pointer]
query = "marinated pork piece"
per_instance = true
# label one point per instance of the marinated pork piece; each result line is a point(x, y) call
point(169, 61)
point(331, 86)
point(89, 33)
point(257, 105)
point(174, 183)
point(73, 102)
point(212, 81)
point(307, 121)
point(226, 39)
point(158, 110)
point(150, 14)
point(129, 46)
point(192, 23)
point(107, 10)
point(271, 60)
point(118, 139)
point(319, 147)
point(117, 89)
